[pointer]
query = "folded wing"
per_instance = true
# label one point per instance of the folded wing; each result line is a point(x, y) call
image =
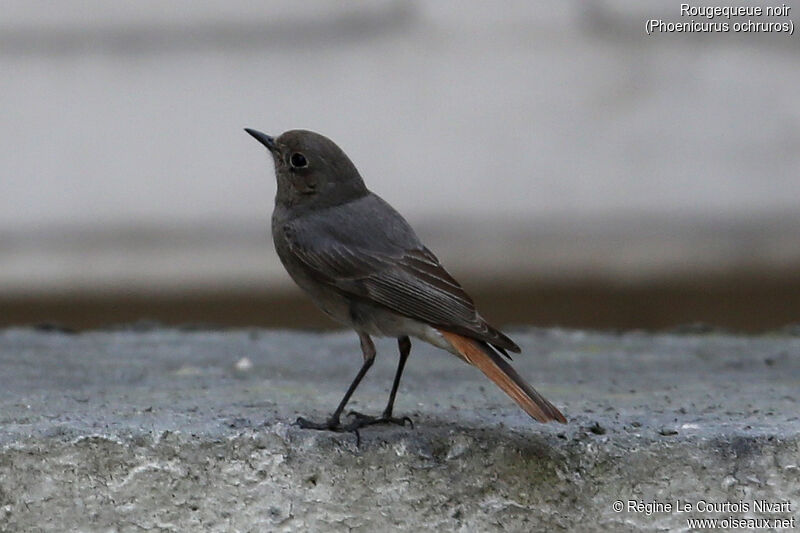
point(385, 263)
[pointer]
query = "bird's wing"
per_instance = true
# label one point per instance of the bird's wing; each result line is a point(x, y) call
point(385, 263)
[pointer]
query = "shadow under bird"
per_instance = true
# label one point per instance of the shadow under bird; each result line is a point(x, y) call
point(364, 266)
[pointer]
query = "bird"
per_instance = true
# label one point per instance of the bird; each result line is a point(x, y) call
point(364, 266)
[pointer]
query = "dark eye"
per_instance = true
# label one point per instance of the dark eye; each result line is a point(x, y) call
point(298, 160)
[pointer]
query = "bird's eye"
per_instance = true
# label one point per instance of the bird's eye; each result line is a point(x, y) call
point(298, 160)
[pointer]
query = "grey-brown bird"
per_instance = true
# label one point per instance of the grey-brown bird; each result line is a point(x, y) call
point(364, 266)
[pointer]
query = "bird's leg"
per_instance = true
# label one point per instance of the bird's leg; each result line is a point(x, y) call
point(333, 423)
point(404, 343)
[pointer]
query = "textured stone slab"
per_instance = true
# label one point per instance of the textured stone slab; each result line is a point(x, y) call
point(169, 430)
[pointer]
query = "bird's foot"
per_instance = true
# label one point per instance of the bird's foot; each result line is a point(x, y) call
point(361, 420)
point(331, 424)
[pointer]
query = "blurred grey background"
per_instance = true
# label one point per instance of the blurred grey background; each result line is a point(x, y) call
point(567, 168)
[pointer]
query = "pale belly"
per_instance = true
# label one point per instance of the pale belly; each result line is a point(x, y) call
point(381, 322)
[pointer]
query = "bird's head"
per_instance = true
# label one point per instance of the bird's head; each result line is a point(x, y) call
point(311, 169)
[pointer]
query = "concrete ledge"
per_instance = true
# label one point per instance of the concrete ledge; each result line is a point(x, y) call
point(162, 430)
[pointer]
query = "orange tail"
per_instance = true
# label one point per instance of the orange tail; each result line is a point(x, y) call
point(504, 376)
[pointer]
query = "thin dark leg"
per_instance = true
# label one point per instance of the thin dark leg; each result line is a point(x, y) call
point(404, 343)
point(333, 423)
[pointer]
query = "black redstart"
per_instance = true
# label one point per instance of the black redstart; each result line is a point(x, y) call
point(364, 266)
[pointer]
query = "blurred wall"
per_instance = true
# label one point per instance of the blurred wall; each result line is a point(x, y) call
point(556, 142)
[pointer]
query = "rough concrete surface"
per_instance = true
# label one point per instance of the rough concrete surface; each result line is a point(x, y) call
point(161, 430)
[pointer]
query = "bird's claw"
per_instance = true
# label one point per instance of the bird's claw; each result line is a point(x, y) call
point(361, 420)
point(332, 424)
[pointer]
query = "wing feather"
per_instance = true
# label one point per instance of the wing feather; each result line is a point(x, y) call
point(405, 277)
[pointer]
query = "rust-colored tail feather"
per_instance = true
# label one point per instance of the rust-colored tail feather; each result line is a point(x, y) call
point(498, 370)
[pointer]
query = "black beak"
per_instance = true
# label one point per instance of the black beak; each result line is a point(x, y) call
point(264, 139)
